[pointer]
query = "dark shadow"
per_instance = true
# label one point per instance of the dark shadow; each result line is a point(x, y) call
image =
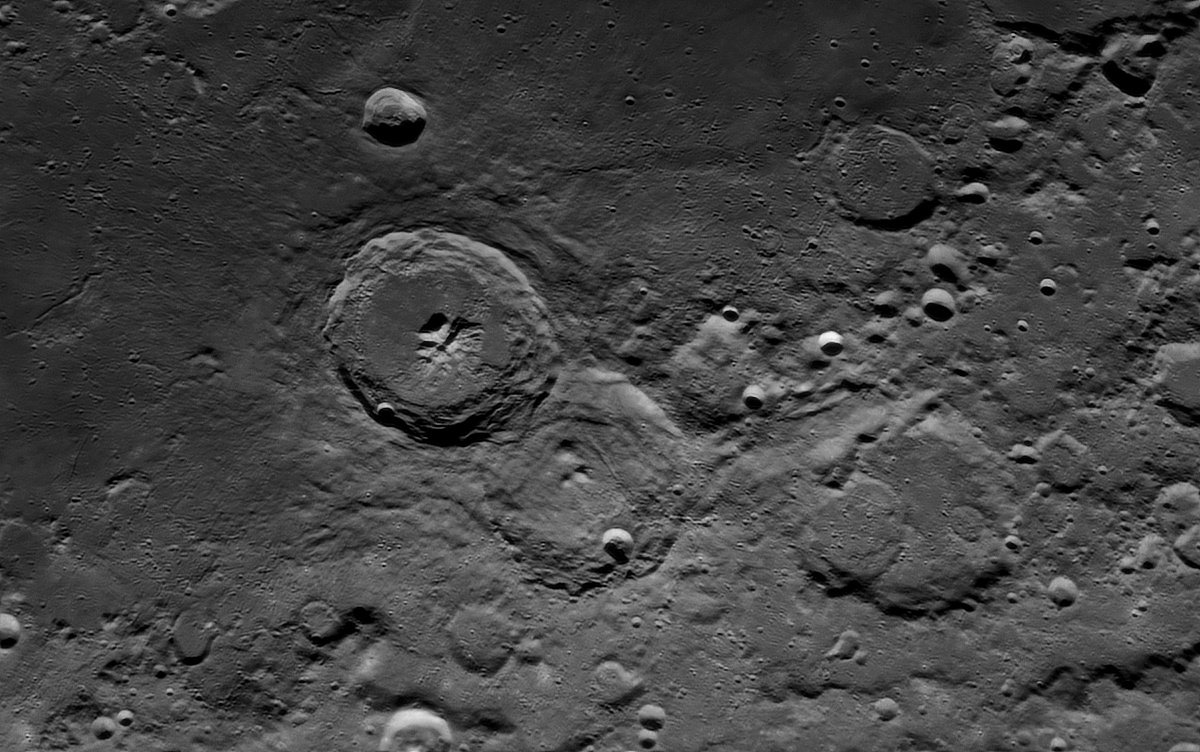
point(1006, 145)
point(1128, 83)
point(396, 134)
point(919, 214)
point(938, 312)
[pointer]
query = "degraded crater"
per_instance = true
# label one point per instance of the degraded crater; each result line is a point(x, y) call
point(854, 536)
point(956, 497)
point(576, 480)
point(882, 177)
point(602, 459)
point(481, 638)
point(917, 527)
point(441, 336)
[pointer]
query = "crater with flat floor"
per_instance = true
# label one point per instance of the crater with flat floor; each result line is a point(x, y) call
point(440, 335)
point(882, 177)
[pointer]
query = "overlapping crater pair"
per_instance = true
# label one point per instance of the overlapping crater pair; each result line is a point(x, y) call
point(443, 337)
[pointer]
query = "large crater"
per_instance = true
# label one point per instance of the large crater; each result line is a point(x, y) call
point(441, 336)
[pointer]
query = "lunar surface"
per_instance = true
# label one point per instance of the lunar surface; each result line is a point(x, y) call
point(595, 377)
